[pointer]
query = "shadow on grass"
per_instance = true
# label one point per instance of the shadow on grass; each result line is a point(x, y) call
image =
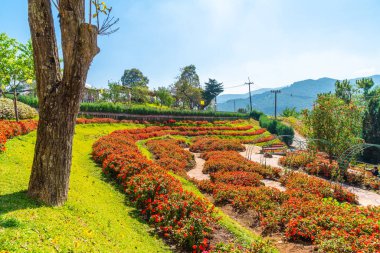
point(16, 201)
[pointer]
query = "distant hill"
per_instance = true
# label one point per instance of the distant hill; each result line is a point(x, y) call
point(225, 97)
point(300, 95)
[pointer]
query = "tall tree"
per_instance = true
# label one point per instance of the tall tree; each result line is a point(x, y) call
point(371, 128)
point(365, 84)
point(137, 83)
point(187, 89)
point(334, 121)
point(212, 90)
point(59, 94)
point(134, 77)
point(344, 90)
point(16, 66)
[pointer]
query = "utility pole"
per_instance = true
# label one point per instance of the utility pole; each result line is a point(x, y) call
point(234, 105)
point(275, 101)
point(250, 97)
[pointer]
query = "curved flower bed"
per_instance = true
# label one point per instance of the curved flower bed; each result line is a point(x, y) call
point(169, 154)
point(222, 161)
point(177, 215)
point(10, 129)
point(213, 144)
point(240, 178)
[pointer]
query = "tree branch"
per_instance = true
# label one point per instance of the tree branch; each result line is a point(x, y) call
point(46, 59)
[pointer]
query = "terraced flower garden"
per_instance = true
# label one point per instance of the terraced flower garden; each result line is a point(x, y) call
point(150, 162)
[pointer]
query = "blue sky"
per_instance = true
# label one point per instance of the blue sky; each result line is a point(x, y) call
point(274, 42)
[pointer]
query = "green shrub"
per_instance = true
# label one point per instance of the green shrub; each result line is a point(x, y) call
point(256, 114)
point(276, 127)
point(7, 110)
point(146, 110)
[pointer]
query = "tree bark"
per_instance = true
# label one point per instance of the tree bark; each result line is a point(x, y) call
point(59, 95)
point(15, 104)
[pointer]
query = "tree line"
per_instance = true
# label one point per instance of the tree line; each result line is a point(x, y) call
point(186, 92)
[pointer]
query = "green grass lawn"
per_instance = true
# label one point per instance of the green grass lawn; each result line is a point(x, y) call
point(94, 219)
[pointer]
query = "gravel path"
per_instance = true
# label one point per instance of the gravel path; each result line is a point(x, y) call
point(196, 172)
point(274, 184)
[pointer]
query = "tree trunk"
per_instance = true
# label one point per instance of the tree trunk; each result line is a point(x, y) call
point(15, 104)
point(59, 96)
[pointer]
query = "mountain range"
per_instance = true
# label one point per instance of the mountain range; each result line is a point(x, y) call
point(300, 95)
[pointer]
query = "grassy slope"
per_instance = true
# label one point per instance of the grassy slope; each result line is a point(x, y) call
point(95, 218)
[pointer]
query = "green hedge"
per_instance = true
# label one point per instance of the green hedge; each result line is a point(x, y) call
point(29, 100)
point(136, 109)
point(276, 127)
point(255, 114)
point(145, 110)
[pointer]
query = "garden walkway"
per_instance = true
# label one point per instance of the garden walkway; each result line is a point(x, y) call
point(196, 172)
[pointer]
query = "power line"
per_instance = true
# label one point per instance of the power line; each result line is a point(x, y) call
point(250, 96)
point(275, 101)
point(236, 86)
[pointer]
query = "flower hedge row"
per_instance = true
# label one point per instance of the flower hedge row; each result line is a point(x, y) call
point(213, 144)
point(177, 215)
point(223, 161)
point(10, 129)
point(169, 154)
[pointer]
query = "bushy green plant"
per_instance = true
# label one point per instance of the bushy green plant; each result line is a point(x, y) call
point(29, 100)
point(276, 127)
point(7, 110)
point(255, 114)
point(142, 109)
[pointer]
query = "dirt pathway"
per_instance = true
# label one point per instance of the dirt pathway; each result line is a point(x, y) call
point(196, 172)
point(274, 184)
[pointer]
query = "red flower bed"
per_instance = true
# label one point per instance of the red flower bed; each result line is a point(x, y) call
point(332, 226)
point(169, 153)
point(222, 161)
point(10, 129)
point(240, 178)
point(176, 214)
point(319, 187)
point(213, 144)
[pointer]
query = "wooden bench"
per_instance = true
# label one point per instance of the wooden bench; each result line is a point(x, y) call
point(274, 149)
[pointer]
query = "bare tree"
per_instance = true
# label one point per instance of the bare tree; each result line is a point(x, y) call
point(59, 93)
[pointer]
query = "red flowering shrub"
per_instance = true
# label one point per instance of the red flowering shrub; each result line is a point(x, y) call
point(204, 185)
point(169, 153)
point(213, 144)
point(10, 129)
point(222, 161)
point(310, 184)
point(240, 178)
point(243, 198)
point(176, 214)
